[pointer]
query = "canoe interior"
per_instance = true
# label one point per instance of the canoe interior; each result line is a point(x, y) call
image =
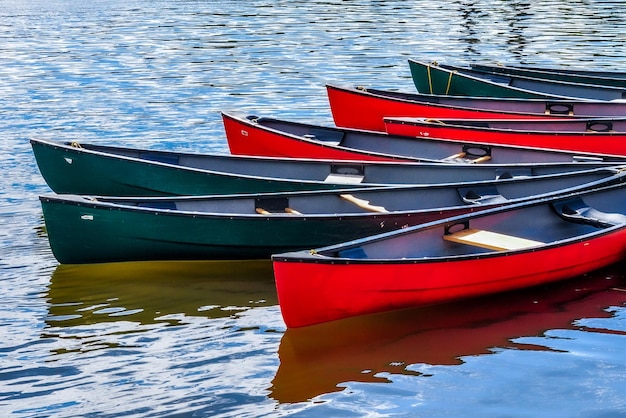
point(583, 126)
point(601, 73)
point(424, 149)
point(553, 87)
point(555, 107)
point(360, 201)
point(540, 223)
point(572, 76)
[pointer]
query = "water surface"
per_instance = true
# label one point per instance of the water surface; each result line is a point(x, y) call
point(207, 338)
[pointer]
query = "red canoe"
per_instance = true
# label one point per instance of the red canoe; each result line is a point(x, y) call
point(361, 108)
point(492, 251)
point(603, 136)
point(269, 137)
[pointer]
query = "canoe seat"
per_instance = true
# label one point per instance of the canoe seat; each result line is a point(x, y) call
point(363, 204)
point(328, 136)
point(343, 178)
point(576, 210)
point(485, 195)
point(490, 240)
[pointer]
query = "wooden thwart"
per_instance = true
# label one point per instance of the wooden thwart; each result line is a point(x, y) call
point(363, 204)
point(291, 211)
point(491, 240)
point(344, 178)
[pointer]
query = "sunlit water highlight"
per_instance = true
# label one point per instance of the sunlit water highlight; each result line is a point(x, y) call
point(207, 338)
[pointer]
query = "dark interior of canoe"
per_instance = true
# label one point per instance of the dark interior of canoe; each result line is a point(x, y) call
point(523, 228)
point(552, 87)
point(603, 125)
point(354, 173)
point(534, 106)
point(379, 200)
point(419, 148)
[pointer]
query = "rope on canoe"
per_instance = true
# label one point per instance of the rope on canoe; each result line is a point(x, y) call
point(75, 144)
point(450, 81)
point(430, 80)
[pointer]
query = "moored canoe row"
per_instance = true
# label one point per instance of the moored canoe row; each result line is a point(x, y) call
point(253, 226)
point(491, 168)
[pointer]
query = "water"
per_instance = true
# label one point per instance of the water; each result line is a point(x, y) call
point(207, 338)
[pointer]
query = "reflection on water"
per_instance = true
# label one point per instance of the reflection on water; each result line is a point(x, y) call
point(316, 360)
point(145, 292)
point(165, 293)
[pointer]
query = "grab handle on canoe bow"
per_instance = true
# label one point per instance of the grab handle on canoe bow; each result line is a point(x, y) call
point(599, 126)
point(455, 227)
point(559, 109)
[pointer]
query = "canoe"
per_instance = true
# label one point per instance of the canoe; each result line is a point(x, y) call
point(71, 168)
point(599, 77)
point(606, 136)
point(496, 250)
point(434, 78)
point(254, 226)
point(270, 137)
point(365, 108)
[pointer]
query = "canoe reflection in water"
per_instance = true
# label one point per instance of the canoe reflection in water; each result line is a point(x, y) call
point(147, 292)
point(318, 359)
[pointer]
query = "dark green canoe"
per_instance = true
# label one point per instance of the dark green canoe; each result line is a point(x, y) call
point(434, 78)
point(108, 229)
point(115, 171)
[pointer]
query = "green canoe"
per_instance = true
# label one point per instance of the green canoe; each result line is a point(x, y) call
point(114, 171)
point(434, 78)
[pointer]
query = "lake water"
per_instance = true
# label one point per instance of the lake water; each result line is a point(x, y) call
point(207, 338)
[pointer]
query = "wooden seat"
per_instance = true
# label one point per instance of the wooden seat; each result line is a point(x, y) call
point(343, 178)
point(290, 211)
point(490, 240)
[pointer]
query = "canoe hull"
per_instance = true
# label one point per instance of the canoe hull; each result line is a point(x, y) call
point(366, 109)
point(248, 139)
point(311, 293)
point(590, 142)
point(110, 171)
point(80, 232)
point(460, 81)
point(78, 171)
